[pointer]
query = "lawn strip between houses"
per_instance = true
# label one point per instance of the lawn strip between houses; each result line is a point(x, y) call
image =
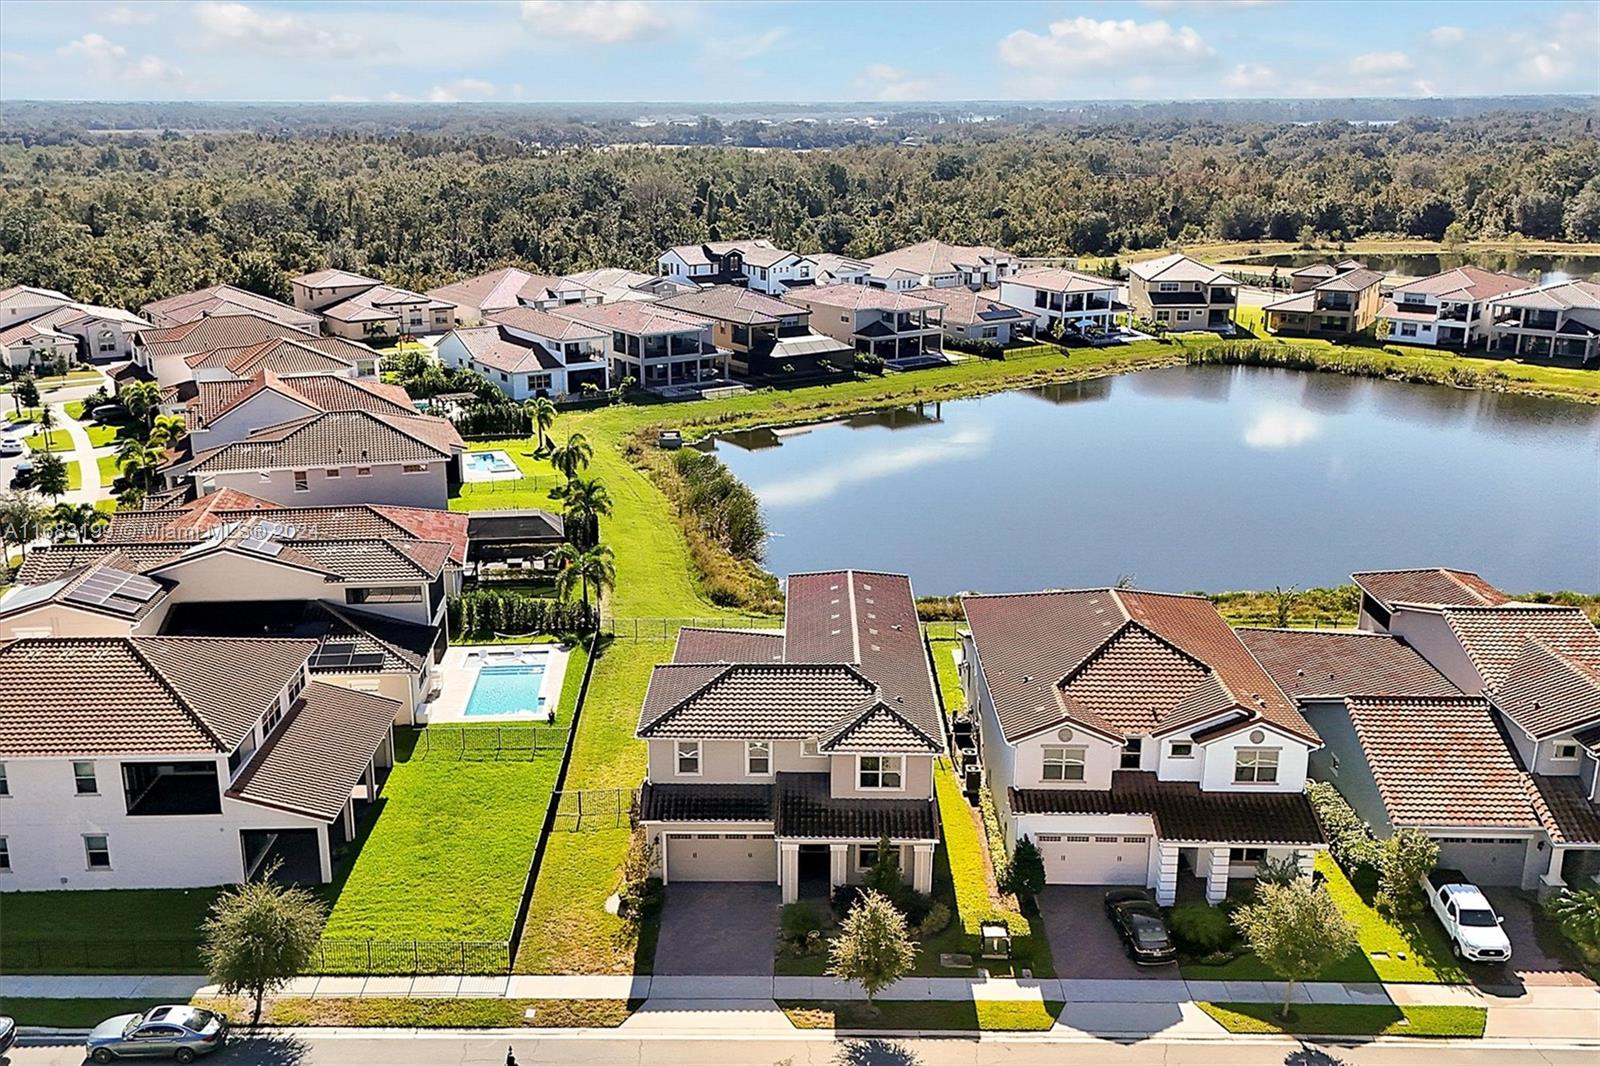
point(997, 1016)
point(1344, 1019)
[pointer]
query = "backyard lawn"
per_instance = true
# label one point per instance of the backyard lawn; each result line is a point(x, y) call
point(106, 931)
point(1329, 1019)
point(568, 929)
point(1414, 951)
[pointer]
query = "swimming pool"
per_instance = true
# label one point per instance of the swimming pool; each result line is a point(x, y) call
point(506, 690)
point(489, 466)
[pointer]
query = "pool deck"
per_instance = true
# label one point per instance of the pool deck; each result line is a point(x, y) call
point(459, 672)
point(471, 475)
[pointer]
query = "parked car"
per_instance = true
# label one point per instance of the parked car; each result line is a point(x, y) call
point(11, 447)
point(8, 1033)
point(1468, 918)
point(22, 474)
point(1141, 926)
point(107, 412)
point(177, 1031)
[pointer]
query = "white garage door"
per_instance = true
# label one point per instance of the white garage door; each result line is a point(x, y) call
point(1485, 860)
point(1094, 860)
point(722, 857)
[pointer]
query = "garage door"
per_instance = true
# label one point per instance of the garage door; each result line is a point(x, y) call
point(1094, 860)
point(1485, 860)
point(722, 857)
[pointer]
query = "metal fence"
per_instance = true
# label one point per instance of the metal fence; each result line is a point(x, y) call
point(667, 628)
point(411, 957)
point(583, 809)
point(111, 955)
point(489, 742)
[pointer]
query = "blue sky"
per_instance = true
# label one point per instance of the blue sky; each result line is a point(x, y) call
point(622, 50)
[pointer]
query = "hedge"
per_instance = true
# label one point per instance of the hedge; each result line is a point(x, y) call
point(485, 612)
point(1350, 842)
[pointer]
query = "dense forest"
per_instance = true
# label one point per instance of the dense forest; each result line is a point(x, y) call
point(126, 217)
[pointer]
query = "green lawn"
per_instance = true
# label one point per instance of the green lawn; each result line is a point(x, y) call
point(106, 931)
point(1414, 951)
point(1324, 1019)
point(60, 441)
point(68, 1013)
point(968, 1016)
point(471, 1013)
point(944, 665)
point(568, 929)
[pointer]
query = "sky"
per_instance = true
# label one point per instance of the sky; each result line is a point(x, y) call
point(705, 51)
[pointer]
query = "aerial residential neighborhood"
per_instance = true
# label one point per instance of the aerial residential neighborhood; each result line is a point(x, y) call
point(1065, 538)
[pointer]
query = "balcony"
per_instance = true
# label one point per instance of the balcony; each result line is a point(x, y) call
point(1224, 296)
point(1186, 298)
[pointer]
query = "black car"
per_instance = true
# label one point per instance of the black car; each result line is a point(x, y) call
point(1139, 923)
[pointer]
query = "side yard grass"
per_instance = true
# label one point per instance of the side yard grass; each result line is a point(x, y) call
point(104, 931)
point(1336, 1019)
point(422, 1013)
point(567, 928)
point(985, 1015)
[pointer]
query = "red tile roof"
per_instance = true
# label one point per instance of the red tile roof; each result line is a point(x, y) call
point(1182, 813)
point(1307, 663)
point(728, 645)
point(1436, 585)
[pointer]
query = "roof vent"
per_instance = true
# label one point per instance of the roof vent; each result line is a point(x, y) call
point(1299, 673)
point(1027, 679)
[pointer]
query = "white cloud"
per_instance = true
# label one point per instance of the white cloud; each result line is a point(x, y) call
point(883, 82)
point(755, 44)
point(600, 21)
point(1380, 64)
point(1251, 76)
point(1447, 35)
point(1285, 428)
point(1082, 43)
point(464, 89)
point(110, 61)
point(237, 25)
point(124, 15)
point(1207, 5)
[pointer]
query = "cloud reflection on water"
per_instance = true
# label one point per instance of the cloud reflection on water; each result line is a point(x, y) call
point(1282, 427)
point(872, 465)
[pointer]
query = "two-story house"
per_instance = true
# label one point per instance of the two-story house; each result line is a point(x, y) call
point(284, 356)
point(900, 328)
point(169, 355)
point(40, 326)
point(755, 264)
point(766, 337)
point(357, 307)
point(1082, 303)
point(1340, 305)
point(1135, 740)
point(220, 300)
point(1447, 310)
point(786, 756)
point(937, 265)
point(477, 298)
point(223, 410)
point(1182, 294)
point(528, 353)
point(616, 284)
point(179, 762)
point(1313, 274)
point(1558, 320)
point(657, 346)
point(835, 269)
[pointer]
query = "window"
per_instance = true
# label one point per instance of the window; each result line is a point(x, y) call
point(538, 381)
point(1408, 329)
point(302, 481)
point(1181, 749)
point(5, 855)
point(332, 472)
point(1246, 854)
point(991, 333)
point(1063, 764)
point(83, 778)
point(414, 468)
point(363, 471)
point(1560, 751)
point(758, 758)
point(5, 786)
point(1257, 766)
point(1132, 753)
point(866, 856)
point(246, 748)
point(384, 594)
point(97, 852)
point(689, 758)
point(880, 771)
point(270, 722)
point(1163, 316)
point(1168, 286)
point(1183, 316)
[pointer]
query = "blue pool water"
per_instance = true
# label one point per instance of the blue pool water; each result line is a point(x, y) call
point(490, 463)
point(506, 690)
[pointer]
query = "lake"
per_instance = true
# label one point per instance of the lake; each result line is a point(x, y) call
point(1423, 264)
point(1209, 478)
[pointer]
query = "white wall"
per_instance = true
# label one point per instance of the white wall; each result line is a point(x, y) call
point(265, 408)
point(1101, 757)
point(1435, 641)
point(387, 484)
point(1221, 754)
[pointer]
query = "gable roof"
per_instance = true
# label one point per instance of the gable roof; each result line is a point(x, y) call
point(755, 251)
point(1119, 662)
point(217, 331)
point(1179, 267)
point(1308, 663)
point(930, 258)
point(333, 279)
point(109, 584)
point(503, 288)
point(1435, 585)
point(333, 438)
point(1464, 283)
point(633, 316)
point(223, 300)
point(963, 307)
point(617, 283)
point(695, 645)
point(1494, 638)
point(284, 355)
point(858, 297)
point(545, 323)
point(733, 303)
point(378, 304)
point(1550, 689)
point(318, 392)
point(1058, 279)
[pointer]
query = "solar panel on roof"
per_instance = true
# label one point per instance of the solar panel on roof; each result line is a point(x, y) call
point(114, 590)
point(366, 660)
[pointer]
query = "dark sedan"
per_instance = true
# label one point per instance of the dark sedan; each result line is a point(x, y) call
point(1139, 923)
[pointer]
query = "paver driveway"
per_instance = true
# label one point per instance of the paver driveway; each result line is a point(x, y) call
point(1083, 942)
point(718, 927)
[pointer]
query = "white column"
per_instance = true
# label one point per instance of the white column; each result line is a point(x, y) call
point(663, 838)
point(789, 871)
point(838, 864)
point(349, 821)
point(1306, 859)
point(1551, 878)
point(1167, 875)
point(324, 854)
point(922, 868)
point(1217, 878)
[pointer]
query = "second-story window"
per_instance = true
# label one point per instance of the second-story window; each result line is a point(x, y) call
point(758, 758)
point(5, 785)
point(1063, 764)
point(881, 771)
point(1132, 753)
point(1181, 749)
point(302, 481)
point(1255, 766)
point(83, 778)
point(688, 758)
point(1559, 751)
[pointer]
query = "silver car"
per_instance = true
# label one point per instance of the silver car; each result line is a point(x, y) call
point(180, 1032)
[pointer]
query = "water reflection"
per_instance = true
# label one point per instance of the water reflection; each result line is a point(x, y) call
point(1067, 392)
point(872, 464)
point(1282, 427)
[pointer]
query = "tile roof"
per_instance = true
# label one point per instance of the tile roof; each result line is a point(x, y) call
point(1182, 812)
point(1495, 638)
point(546, 324)
point(376, 304)
point(1057, 279)
point(1120, 662)
point(1557, 295)
point(1307, 663)
point(319, 392)
point(928, 258)
point(880, 727)
point(705, 803)
point(616, 283)
point(335, 438)
point(1549, 691)
point(319, 754)
point(963, 307)
point(756, 252)
point(138, 695)
point(348, 641)
point(1563, 809)
point(217, 331)
point(833, 263)
point(728, 645)
point(1441, 761)
point(502, 288)
point(634, 317)
point(1352, 281)
point(784, 701)
point(284, 356)
point(1179, 267)
point(1464, 283)
point(222, 300)
point(110, 584)
point(807, 809)
point(500, 349)
point(1437, 585)
point(732, 303)
point(333, 279)
point(862, 297)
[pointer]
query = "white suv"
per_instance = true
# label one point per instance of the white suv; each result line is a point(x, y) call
point(1468, 918)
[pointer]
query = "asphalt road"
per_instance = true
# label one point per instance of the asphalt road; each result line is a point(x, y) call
point(353, 1049)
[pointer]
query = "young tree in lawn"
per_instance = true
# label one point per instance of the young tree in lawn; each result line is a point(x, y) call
point(259, 936)
point(874, 948)
point(1403, 861)
point(571, 457)
point(583, 568)
point(1297, 931)
point(50, 475)
point(1025, 875)
point(47, 422)
point(23, 516)
point(25, 393)
point(542, 413)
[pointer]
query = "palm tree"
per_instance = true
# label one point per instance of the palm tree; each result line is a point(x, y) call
point(542, 413)
point(595, 566)
point(84, 520)
point(50, 476)
point(584, 502)
point(139, 463)
point(47, 420)
point(572, 456)
point(166, 431)
point(140, 399)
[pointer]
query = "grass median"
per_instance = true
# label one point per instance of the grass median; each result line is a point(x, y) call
point(1338, 1019)
point(903, 1015)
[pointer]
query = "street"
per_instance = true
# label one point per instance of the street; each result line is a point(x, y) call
point(355, 1048)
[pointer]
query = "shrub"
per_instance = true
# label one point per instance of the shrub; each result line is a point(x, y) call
point(1025, 874)
point(884, 876)
point(1404, 859)
point(936, 921)
point(1201, 929)
point(867, 363)
point(801, 925)
point(1349, 840)
point(844, 897)
point(485, 612)
point(981, 348)
point(641, 891)
point(1270, 871)
point(1578, 915)
point(723, 506)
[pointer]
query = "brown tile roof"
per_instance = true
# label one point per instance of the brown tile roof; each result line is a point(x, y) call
point(862, 297)
point(731, 303)
point(1179, 267)
point(319, 392)
point(1495, 638)
point(338, 438)
point(1548, 692)
point(633, 316)
point(1436, 585)
point(1563, 809)
point(1307, 663)
point(333, 279)
point(1441, 761)
point(110, 585)
point(376, 304)
point(807, 809)
point(1352, 281)
point(286, 356)
point(51, 562)
point(1056, 279)
point(500, 349)
point(1182, 812)
point(219, 300)
point(320, 752)
point(963, 307)
point(728, 645)
point(1423, 313)
point(705, 803)
point(784, 701)
point(138, 695)
point(546, 324)
point(502, 288)
point(880, 727)
point(1465, 283)
point(217, 331)
point(935, 257)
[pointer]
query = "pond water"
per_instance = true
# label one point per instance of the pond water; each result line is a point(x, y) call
point(1422, 264)
point(1207, 478)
